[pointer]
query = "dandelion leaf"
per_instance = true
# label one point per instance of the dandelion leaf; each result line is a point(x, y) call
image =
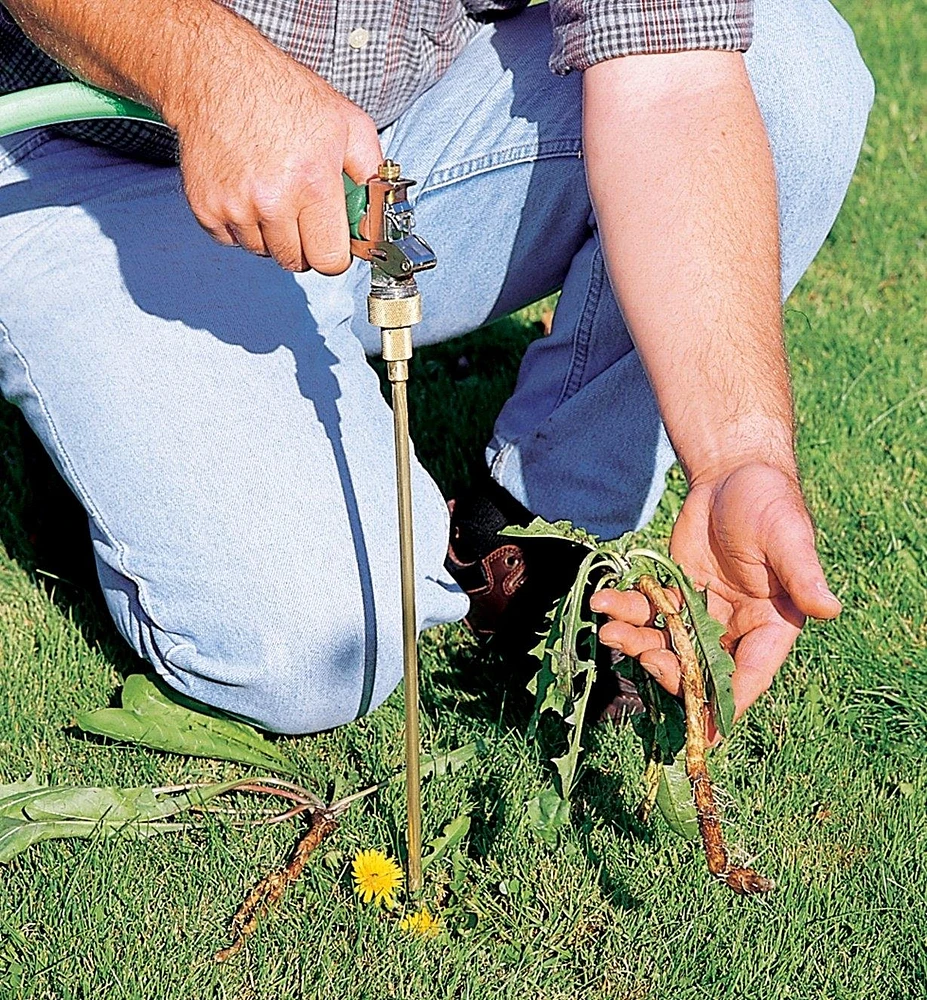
point(447, 763)
point(151, 717)
point(674, 800)
point(547, 814)
point(717, 663)
point(452, 834)
point(550, 689)
point(30, 813)
point(18, 835)
point(17, 794)
point(566, 768)
point(564, 530)
point(669, 726)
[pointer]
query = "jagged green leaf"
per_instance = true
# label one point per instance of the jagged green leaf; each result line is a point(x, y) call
point(568, 765)
point(662, 727)
point(674, 799)
point(38, 813)
point(170, 722)
point(451, 836)
point(717, 663)
point(644, 729)
point(17, 794)
point(555, 701)
point(669, 725)
point(435, 765)
point(547, 814)
point(547, 686)
point(539, 528)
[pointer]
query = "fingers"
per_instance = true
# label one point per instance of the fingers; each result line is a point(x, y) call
point(628, 632)
point(630, 640)
point(291, 209)
point(314, 237)
point(283, 241)
point(324, 235)
point(793, 558)
point(629, 605)
point(760, 654)
point(249, 237)
point(363, 153)
point(663, 667)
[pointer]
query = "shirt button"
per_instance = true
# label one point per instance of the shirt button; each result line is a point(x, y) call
point(358, 38)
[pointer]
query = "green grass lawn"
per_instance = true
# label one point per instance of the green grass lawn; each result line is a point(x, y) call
point(825, 782)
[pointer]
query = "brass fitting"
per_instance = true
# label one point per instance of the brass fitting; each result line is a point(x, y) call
point(389, 170)
point(396, 347)
point(393, 312)
point(397, 344)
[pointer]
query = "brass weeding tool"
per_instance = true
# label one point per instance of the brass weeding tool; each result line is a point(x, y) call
point(396, 255)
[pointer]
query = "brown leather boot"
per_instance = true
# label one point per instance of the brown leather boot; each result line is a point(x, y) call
point(513, 582)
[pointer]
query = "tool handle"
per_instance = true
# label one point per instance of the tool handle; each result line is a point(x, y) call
point(56, 103)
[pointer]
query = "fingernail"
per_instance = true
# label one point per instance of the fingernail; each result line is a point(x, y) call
point(825, 591)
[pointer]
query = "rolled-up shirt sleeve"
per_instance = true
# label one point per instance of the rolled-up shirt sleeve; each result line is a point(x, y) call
point(587, 32)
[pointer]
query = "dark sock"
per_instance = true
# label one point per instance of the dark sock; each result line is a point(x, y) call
point(480, 513)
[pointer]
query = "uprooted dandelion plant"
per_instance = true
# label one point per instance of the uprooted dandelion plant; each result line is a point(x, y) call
point(676, 777)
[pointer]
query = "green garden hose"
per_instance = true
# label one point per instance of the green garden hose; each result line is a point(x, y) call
point(58, 103)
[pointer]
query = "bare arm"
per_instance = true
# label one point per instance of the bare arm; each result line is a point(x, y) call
point(263, 139)
point(682, 182)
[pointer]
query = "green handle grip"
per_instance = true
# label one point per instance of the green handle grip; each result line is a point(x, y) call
point(57, 103)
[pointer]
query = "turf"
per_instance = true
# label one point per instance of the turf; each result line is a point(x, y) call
point(825, 780)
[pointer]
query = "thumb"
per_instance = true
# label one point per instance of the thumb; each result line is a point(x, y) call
point(793, 558)
point(363, 153)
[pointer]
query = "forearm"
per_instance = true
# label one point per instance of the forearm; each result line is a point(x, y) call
point(165, 53)
point(683, 187)
point(263, 139)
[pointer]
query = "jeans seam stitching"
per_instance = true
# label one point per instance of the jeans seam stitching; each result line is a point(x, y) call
point(500, 158)
point(580, 354)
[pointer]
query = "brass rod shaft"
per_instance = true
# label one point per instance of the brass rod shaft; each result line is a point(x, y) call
point(409, 634)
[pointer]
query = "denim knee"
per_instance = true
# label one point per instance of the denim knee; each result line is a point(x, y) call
point(293, 670)
point(330, 652)
point(814, 92)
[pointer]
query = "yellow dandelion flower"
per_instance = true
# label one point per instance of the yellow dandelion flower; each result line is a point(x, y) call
point(376, 877)
point(421, 923)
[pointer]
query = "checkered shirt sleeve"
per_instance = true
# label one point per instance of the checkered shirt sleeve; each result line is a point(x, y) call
point(590, 31)
point(382, 54)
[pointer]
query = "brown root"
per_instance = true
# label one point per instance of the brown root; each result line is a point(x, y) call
point(268, 891)
point(741, 880)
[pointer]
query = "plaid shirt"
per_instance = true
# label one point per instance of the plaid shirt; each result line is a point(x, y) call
point(383, 53)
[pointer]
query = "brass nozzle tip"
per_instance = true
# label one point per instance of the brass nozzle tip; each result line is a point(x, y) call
point(389, 171)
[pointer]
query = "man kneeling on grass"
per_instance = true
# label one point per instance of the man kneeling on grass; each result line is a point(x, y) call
point(214, 412)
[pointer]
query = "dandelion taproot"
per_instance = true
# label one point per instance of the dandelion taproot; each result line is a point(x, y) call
point(376, 877)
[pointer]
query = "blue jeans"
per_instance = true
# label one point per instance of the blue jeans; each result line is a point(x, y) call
point(217, 417)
